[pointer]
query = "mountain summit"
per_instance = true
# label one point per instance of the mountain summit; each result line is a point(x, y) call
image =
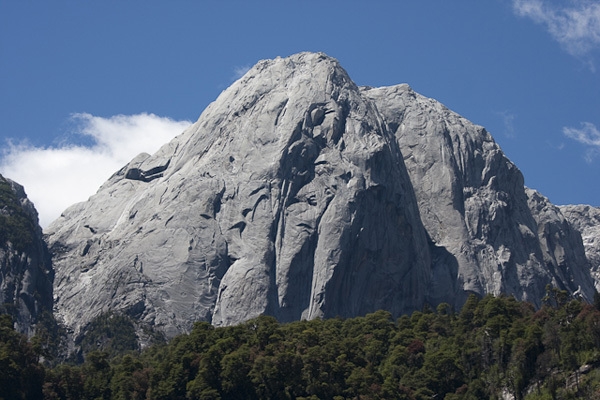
point(300, 195)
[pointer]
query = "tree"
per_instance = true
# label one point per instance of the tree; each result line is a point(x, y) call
point(235, 369)
point(64, 382)
point(125, 383)
point(111, 333)
point(443, 371)
point(97, 375)
point(21, 376)
point(466, 317)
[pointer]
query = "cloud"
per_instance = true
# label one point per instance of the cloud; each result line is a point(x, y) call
point(588, 135)
point(238, 72)
point(57, 177)
point(576, 28)
point(508, 120)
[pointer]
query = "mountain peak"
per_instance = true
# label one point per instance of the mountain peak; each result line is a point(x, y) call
point(299, 195)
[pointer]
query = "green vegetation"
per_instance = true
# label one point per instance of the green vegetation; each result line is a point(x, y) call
point(110, 333)
point(21, 375)
point(15, 225)
point(492, 346)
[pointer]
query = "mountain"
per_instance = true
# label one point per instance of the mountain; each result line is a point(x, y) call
point(26, 274)
point(586, 219)
point(500, 236)
point(300, 195)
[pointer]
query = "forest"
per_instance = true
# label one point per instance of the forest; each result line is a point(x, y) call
point(493, 348)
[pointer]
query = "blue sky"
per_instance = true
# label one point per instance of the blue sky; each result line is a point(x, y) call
point(85, 86)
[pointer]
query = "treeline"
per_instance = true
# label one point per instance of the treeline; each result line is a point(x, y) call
point(494, 346)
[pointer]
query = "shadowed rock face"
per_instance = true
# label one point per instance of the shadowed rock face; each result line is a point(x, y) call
point(299, 195)
point(25, 268)
point(586, 220)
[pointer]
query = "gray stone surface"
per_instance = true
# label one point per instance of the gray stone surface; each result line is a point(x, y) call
point(287, 197)
point(562, 247)
point(299, 195)
point(500, 237)
point(586, 219)
point(25, 270)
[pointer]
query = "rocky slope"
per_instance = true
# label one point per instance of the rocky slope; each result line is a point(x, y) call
point(498, 235)
point(25, 267)
point(287, 197)
point(586, 219)
point(300, 195)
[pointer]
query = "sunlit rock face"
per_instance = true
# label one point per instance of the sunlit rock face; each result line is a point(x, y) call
point(25, 269)
point(300, 195)
point(288, 197)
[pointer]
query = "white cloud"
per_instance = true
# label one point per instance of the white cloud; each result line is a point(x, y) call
point(576, 28)
point(238, 72)
point(509, 127)
point(588, 135)
point(57, 177)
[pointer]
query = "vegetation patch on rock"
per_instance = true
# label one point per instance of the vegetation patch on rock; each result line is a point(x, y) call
point(16, 226)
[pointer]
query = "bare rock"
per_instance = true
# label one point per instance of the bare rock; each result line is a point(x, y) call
point(299, 195)
point(562, 247)
point(475, 207)
point(586, 220)
point(25, 268)
point(287, 197)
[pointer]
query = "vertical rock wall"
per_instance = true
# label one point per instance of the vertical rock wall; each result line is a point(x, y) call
point(25, 268)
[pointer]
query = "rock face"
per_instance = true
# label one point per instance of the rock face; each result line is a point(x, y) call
point(25, 267)
point(288, 197)
point(499, 236)
point(299, 195)
point(562, 247)
point(586, 220)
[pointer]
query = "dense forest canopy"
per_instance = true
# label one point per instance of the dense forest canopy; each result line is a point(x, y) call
point(494, 346)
